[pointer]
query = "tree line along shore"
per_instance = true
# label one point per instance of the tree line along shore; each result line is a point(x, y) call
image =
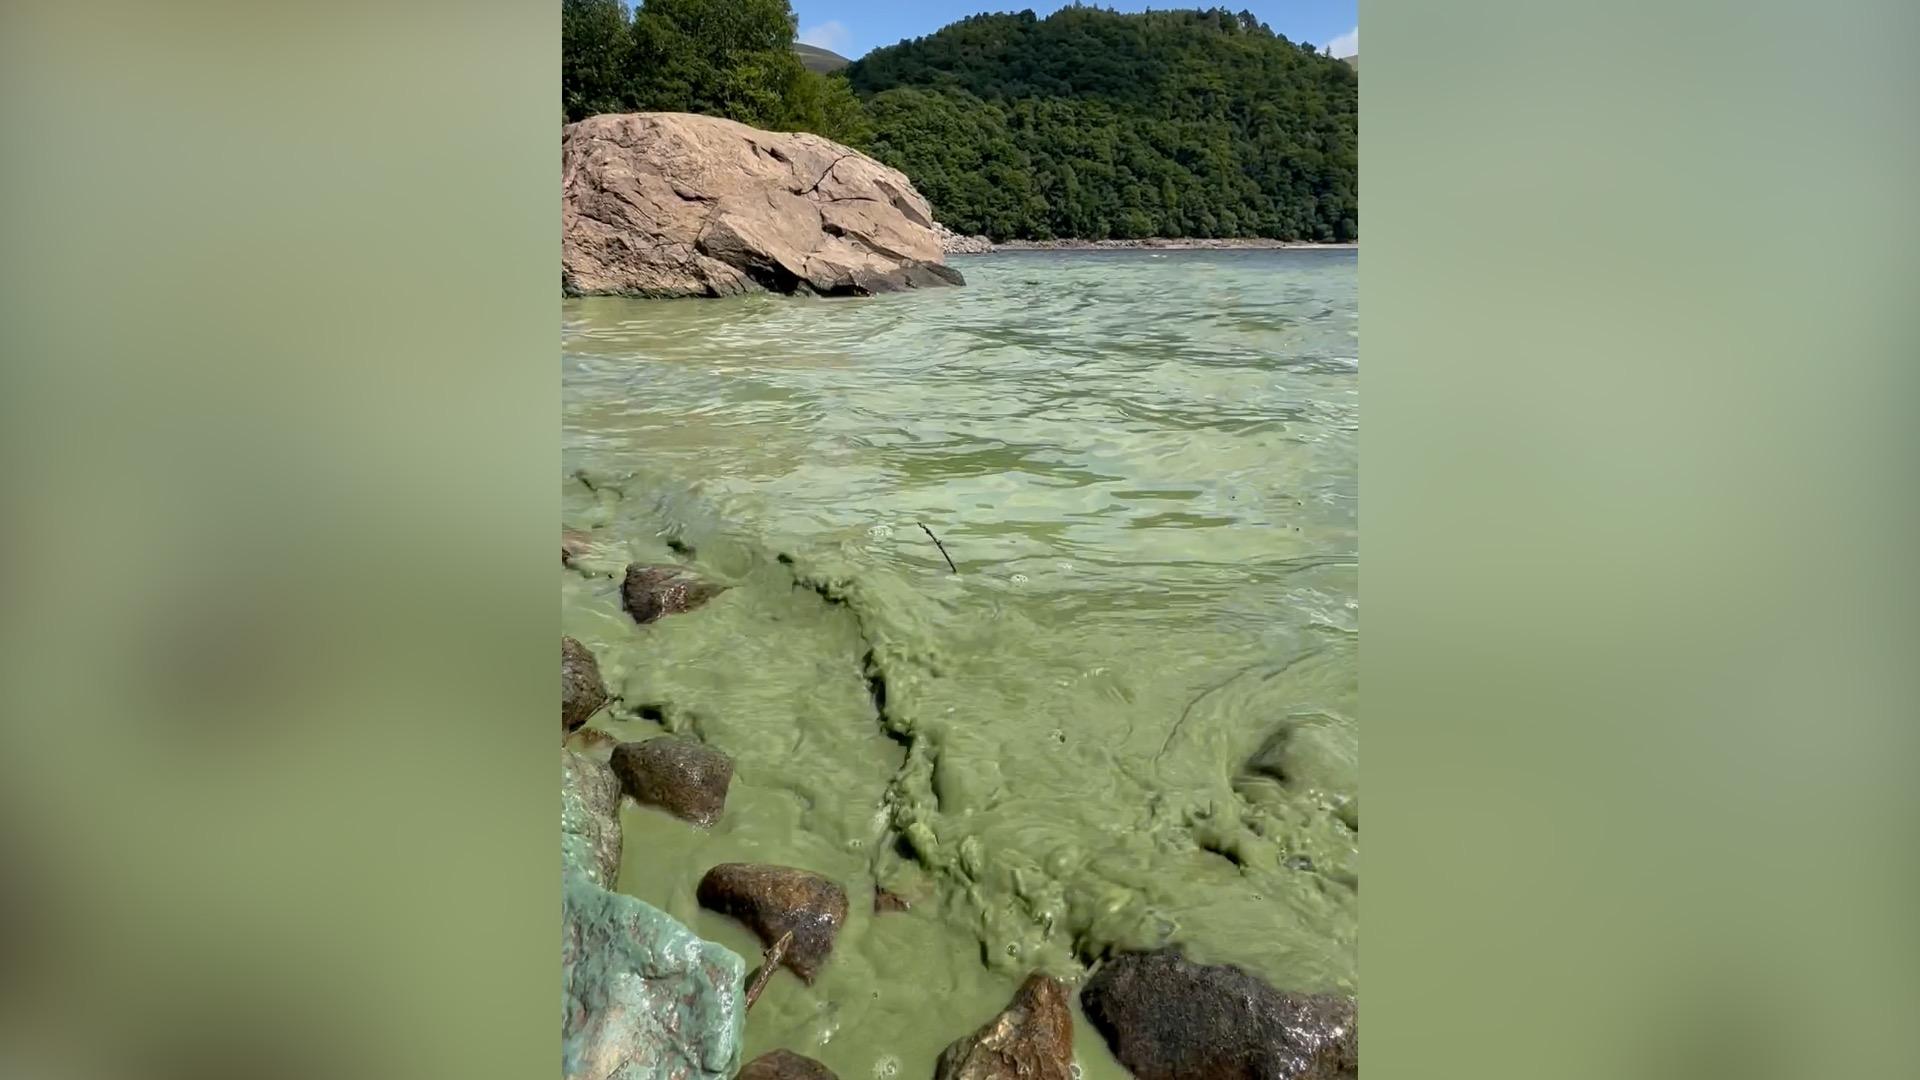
point(1086, 125)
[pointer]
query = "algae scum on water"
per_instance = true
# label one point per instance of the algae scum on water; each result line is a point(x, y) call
point(1129, 718)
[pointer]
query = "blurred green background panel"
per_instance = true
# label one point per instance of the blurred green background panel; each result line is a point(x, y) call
point(1638, 530)
point(279, 405)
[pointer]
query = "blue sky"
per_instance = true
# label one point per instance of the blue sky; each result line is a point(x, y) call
point(851, 27)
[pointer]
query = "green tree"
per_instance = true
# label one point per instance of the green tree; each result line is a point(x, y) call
point(595, 54)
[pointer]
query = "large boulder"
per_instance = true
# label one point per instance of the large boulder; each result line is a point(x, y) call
point(1031, 1040)
point(672, 204)
point(1168, 1018)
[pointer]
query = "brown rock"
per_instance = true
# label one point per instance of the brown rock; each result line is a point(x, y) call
point(785, 1065)
point(651, 592)
point(1167, 1018)
point(670, 204)
point(1031, 1040)
point(885, 900)
point(582, 692)
point(773, 900)
point(687, 779)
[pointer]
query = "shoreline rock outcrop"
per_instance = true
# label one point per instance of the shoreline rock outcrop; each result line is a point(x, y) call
point(1167, 1018)
point(775, 900)
point(641, 995)
point(674, 204)
point(954, 243)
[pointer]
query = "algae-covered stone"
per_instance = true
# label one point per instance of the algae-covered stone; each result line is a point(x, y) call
point(642, 997)
point(1031, 1040)
point(775, 900)
point(1168, 1018)
point(589, 818)
point(785, 1065)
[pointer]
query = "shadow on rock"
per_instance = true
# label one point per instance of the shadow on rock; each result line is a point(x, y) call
point(775, 900)
point(1167, 1018)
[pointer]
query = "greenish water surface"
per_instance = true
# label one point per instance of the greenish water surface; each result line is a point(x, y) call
point(1130, 718)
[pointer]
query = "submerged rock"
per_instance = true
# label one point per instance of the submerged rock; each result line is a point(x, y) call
point(785, 1065)
point(589, 819)
point(886, 900)
point(653, 592)
point(582, 691)
point(773, 900)
point(670, 204)
point(1031, 1040)
point(1167, 1018)
point(573, 544)
point(641, 995)
point(686, 778)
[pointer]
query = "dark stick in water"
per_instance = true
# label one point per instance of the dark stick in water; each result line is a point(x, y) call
point(938, 544)
point(769, 963)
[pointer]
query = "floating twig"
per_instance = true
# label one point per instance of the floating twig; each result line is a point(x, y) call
point(938, 544)
point(769, 963)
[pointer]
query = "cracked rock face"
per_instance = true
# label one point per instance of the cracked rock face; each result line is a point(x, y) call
point(671, 204)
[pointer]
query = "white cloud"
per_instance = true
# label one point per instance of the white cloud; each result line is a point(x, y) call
point(831, 36)
point(1347, 44)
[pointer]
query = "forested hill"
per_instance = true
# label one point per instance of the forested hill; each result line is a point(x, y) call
point(1095, 124)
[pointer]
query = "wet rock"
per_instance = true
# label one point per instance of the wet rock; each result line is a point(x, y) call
point(589, 819)
point(582, 691)
point(772, 900)
point(573, 544)
point(651, 592)
point(1167, 1018)
point(686, 778)
point(785, 1065)
point(1031, 1040)
point(885, 900)
point(641, 995)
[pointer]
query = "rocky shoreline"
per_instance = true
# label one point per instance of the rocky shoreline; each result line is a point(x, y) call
point(643, 996)
point(954, 243)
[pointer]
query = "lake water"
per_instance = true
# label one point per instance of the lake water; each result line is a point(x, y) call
point(1131, 717)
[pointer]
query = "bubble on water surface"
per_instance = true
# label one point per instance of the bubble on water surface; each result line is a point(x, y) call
point(886, 1068)
point(880, 532)
point(1018, 579)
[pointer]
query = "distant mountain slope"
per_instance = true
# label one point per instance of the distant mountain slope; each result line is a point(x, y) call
point(1353, 60)
point(1095, 125)
point(818, 59)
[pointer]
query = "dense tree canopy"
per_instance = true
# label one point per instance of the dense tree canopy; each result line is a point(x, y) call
point(1087, 123)
point(1094, 124)
point(731, 58)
